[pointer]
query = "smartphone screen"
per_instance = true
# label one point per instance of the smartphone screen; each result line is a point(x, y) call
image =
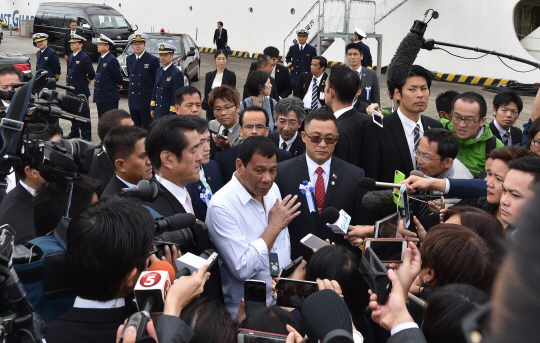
point(398, 177)
point(387, 251)
point(254, 295)
point(387, 227)
point(377, 118)
point(292, 293)
point(274, 264)
point(251, 336)
point(313, 242)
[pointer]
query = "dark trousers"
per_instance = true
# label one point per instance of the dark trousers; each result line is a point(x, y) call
point(85, 129)
point(106, 106)
point(141, 118)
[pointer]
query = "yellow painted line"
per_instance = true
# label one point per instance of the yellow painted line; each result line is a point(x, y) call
point(489, 81)
point(463, 78)
point(504, 81)
point(475, 80)
point(440, 75)
point(450, 77)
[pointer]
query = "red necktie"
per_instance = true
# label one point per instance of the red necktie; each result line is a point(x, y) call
point(319, 190)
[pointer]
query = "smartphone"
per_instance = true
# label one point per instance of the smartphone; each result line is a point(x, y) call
point(252, 336)
point(223, 138)
point(398, 177)
point(292, 293)
point(313, 242)
point(388, 250)
point(377, 118)
point(387, 227)
point(288, 270)
point(274, 264)
point(375, 275)
point(254, 295)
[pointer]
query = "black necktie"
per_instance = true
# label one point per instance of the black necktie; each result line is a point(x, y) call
point(284, 146)
point(225, 133)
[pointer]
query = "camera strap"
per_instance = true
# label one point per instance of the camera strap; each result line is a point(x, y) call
point(70, 185)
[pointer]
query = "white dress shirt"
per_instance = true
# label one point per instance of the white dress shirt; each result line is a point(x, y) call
point(5, 104)
point(218, 80)
point(179, 193)
point(28, 188)
point(408, 128)
point(309, 93)
point(85, 303)
point(130, 185)
point(289, 142)
point(337, 114)
point(312, 171)
point(502, 132)
point(236, 222)
point(142, 53)
point(105, 54)
point(167, 67)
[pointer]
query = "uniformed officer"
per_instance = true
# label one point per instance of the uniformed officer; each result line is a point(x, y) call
point(141, 68)
point(299, 56)
point(168, 79)
point(108, 77)
point(79, 75)
point(47, 58)
point(358, 36)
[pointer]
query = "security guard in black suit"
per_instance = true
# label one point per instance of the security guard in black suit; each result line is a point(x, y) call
point(47, 58)
point(79, 75)
point(168, 80)
point(299, 56)
point(141, 68)
point(108, 77)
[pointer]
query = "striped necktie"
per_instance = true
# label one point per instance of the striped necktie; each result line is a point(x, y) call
point(314, 95)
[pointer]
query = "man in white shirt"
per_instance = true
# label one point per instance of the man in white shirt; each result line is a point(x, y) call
point(247, 220)
point(173, 148)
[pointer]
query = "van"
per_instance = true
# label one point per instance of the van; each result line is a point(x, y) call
point(53, 18)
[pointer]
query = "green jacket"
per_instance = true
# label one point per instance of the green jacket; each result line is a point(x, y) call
point(472, 151)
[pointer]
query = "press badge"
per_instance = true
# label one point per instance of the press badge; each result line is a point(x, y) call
point(146, 65)
point(77, 62)
point(104, 64)
point(46, 58)
point(168, 78)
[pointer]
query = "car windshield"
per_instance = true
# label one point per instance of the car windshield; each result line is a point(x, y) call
point(104, 21)
point(153, 42)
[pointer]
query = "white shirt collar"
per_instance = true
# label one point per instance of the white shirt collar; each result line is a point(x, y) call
point(317, 78)
point(85, 303)
point(359, 70)
point(409, 125)
point(6, 104)
point(103, 56)
point(142, 53)
point(302, 46)
point(130, 185)
point(273, 74)
point(312, 165)
point(337, 114)
point(201, 173)
point(289, 142)
point(178, 192)
point(75, 53)
point(167, 67)
point(243, 194)
point(501, 130)
point(28, 188)
point(45, 48)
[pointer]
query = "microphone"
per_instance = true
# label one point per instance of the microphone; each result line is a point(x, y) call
point(162, 266)
point(189, 263)
point(338, 221)
point(420, 174)
point(146, 190)
point(379, 200)
point(176, 222)
point(369, 183)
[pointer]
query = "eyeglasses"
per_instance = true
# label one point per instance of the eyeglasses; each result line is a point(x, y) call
point(226, 108)
point(283, 122)
point(257, 127)
point(423, 157)
point(318, 139)
point(457, 119)
point(536, 144)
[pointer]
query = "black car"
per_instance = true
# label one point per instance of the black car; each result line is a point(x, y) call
point(21, 62)
point(186, 58)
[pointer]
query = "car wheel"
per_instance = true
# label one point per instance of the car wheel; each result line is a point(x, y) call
point(197, 76)
point(186, 80)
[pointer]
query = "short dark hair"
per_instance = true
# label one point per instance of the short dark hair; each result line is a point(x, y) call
point(209, 320)
point(253, 109)
point(444, 101)
point(220, 23)
point(448, 146)
point(528, 164)
point(110, 120)
point(167, 133)
point(323, 62)
point(50, 202)
point(73, 21)
point(5, 70)
point(105, 242)
point(179, 94)
point(256, 145)
point(345, 82)
point(471, 98)
point(294, 104)
point(506, 97)
point(262, 61)
point(354, 45)
point(533, 130)
point(256, 81)
point(321, 114)
point(121, 140)
point(272, 320)
point(224, 92)
point(220, 52)
point(43, 132)
point(271, 51)
point(416, 70)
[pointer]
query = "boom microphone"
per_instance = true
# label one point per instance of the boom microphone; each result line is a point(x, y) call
point(379, 200)
point(420, 174)
point(176, 222)
point(369, 183)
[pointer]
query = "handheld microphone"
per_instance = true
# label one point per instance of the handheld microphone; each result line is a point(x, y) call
point(189, 263)
point(146, 190)
point(369, 183)
point(176, 222)
point(162, 266)
point(420, 174)
point(338, 221)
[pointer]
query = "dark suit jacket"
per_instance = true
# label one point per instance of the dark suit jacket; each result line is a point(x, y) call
point(370, 87)
point(213, 178)
point(299, 60)
point(113, 187)
point(467, 188)
point(388, 148)
point(351, 146)
point(515, 133)
point(304, 85)
point(367, 61)
point(408, 336)
point(226, 161)
point(282, 77)
point(273, 93)
point(101, 170)
point(220, 42)
point(142, 74)
point(297, 147)
point(86, 325)
point(165, 86)
point(166, 203)
point(229, 78)
point(49, 61)
point(80, 73)
point(17, 210)
point(172, 329)
point(108, 80)
point(360, 107)
point(341, 193)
